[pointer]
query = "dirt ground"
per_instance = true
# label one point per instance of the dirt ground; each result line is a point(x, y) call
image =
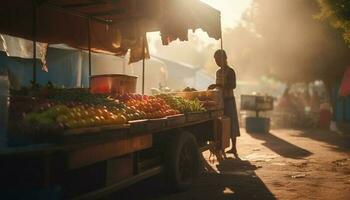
point(285, 164)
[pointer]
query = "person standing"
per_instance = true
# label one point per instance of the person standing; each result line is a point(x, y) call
point(226, 81)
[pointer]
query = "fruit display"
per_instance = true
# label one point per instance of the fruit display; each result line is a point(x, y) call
point(77, 108)
point(81, 96)
point(80, 116)
point(207, 102)
point(182, 104)
point(150, 107)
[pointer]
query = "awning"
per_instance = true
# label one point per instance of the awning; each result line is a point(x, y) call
point(345, 85)
point(115, 25)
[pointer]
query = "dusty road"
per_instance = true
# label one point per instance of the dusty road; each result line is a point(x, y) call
point(285, 164)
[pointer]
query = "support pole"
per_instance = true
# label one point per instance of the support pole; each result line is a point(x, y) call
point(34, 25)
point(221, 41)
point(89, 48)
point(143, 63)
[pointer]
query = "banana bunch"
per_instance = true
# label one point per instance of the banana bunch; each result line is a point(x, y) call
point(181, 104)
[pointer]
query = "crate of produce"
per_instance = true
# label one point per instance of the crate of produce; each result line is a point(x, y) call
point(156, 124)
point(197, 116)
point(176, 120)
point(210, 99)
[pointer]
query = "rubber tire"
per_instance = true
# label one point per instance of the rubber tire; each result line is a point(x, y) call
point(174, 148)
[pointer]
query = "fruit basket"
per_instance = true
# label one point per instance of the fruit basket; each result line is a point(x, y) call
point(176, 120)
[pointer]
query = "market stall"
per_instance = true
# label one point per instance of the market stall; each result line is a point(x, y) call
point(106, 134)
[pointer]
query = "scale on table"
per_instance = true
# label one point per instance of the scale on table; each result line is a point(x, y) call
point(256, 103)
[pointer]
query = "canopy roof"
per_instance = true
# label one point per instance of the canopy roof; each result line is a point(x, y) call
point(115, 25)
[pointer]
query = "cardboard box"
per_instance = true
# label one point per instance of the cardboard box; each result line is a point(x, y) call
point(223, 128)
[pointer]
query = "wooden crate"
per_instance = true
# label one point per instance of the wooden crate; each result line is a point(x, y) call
point(156, 124)
point(138, 126)
point(119, 168)
point(176, 120)
point(197, 116)
point(223, 132)
point(107, 150)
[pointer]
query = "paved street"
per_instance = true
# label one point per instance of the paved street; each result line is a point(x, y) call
point(285, 164)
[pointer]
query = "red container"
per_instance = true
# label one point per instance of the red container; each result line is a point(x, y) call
point(113, 84)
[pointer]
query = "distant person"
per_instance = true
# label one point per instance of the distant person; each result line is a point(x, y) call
point(315, 103)
point(226, 80)
point(284, 102)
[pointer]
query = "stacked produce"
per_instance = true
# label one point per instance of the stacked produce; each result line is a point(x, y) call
point(182, 104)
point(151, 107)
point(73, 108)
point(77, 116)
point(77, 108)
point(207, 102)
point(210, 100)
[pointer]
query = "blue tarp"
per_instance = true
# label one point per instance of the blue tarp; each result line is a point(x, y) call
point(63, 68)
point(342, 105)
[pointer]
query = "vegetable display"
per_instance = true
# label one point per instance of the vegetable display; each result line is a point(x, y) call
point(182, 104)
point(77, 108)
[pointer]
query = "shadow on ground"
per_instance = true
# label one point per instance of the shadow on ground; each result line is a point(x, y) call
point(280, 146)
point(236, 180)
point(340, 143)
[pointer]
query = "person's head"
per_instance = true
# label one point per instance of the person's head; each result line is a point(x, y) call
point(220, 57)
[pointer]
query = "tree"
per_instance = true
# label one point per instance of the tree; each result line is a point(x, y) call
point(337, 12)
point(295, 46)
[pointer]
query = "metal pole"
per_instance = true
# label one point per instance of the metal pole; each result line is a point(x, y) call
point(143, 63)
point(34, 40)
point(89, 47)
point(221, 42)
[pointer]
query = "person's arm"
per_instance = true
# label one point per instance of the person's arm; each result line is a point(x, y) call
point(213, 86)
point(230, 80)
point(216, 85)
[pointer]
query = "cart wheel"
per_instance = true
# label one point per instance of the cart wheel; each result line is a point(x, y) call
point(182, 161)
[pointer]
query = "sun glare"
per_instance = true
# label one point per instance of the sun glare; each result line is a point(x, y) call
point(231, 10)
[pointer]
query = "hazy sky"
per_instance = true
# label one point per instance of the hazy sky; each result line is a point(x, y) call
point(231, 10)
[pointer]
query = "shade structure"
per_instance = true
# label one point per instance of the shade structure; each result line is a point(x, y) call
point(345, 85)
point(115, 25)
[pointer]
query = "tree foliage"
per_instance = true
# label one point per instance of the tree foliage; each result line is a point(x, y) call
point(337, 12)
point(295, 47)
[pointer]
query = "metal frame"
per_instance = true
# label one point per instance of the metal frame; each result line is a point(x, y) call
point(66, 8)
point(89, 47)
point(34, 26)
point(143, 63)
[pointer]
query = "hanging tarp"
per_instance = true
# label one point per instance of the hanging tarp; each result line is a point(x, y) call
point(182, 15)
point(22, 48)
point(55, 26)
point(116, 25)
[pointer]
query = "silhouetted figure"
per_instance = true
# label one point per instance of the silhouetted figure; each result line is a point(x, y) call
point(226, 80)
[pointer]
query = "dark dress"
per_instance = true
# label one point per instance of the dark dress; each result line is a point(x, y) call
point(226, 77)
